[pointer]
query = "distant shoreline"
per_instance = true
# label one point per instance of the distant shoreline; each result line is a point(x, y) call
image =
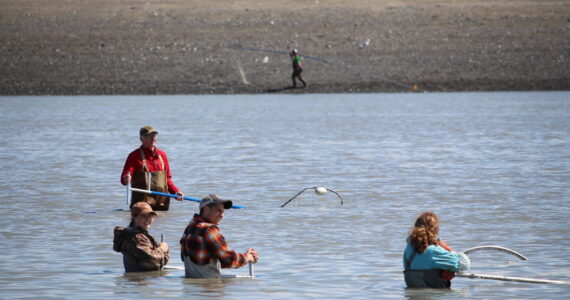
point(188, 47)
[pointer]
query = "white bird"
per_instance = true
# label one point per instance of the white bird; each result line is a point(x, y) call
point(365, 43)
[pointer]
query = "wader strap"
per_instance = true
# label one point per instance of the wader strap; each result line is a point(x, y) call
point(143, 158)
point(161, 162)
point(163, 170)
point(145, 169)
point(409, 261)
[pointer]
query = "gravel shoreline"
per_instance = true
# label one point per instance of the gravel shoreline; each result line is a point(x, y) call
point(66, 47)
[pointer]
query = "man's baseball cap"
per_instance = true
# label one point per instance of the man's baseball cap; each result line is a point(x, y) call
point(216, 199)
point(147, 130)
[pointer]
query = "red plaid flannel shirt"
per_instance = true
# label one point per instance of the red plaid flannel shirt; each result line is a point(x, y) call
point(203, 242)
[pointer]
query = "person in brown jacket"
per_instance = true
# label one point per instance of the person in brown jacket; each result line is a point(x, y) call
point(141, 252)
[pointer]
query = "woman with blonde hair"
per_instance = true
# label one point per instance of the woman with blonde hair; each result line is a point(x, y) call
point(428, 261)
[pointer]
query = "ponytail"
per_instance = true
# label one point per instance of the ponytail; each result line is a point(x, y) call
point(424, 232)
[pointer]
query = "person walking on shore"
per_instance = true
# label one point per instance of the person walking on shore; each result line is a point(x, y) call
point(147, 167)
point(204, 250)
point(297, 68)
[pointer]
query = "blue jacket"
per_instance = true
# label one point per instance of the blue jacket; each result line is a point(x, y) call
point(434, 257)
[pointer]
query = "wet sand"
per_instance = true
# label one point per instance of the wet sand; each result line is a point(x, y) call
point(81, 47)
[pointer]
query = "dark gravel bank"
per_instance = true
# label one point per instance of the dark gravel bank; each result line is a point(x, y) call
point(85, 47)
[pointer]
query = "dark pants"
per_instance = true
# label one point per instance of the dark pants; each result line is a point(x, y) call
point(297, 74)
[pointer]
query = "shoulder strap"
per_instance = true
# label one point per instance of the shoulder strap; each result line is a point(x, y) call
point(144, 167)
point(409, 261)
point(161, 162)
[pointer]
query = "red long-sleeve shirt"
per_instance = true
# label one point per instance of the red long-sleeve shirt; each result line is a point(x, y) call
point(134, 164)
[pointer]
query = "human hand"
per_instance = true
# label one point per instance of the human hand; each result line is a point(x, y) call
point(464, 262)
point(444, 245)
point(251, 255)
point(127, 178)
point(163, 246)
point(180, 196)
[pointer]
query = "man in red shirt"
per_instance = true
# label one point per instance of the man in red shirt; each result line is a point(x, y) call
point(149, 161)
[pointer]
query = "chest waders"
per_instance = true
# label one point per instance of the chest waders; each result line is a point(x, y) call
point(158, 183)
point(423, 278)
point(209, 270)
point(135, 263)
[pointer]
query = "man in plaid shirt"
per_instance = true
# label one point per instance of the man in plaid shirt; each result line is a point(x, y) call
point(204, 249)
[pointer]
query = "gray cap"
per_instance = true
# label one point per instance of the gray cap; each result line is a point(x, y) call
point(214, 198)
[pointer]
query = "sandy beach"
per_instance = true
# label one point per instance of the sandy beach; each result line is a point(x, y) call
point(85, 47)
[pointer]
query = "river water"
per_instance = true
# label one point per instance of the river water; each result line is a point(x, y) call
point(494, 166)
